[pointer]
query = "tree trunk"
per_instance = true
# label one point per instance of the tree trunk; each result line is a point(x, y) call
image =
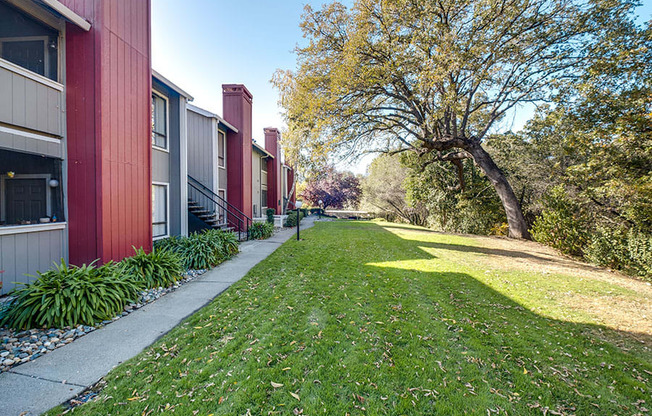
point(287, 197)
point(515, 218)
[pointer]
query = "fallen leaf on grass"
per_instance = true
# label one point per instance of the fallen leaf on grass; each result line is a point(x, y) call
point(296, 396)
point(276, 385)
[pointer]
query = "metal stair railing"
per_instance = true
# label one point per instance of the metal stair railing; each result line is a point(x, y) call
point(203, 195)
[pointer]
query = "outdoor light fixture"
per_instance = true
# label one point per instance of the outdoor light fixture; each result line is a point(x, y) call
point(320, 205)
point(11, 174)
point(298, 205)
point(53, 183)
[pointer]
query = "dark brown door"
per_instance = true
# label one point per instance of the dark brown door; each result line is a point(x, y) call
point(25, 199)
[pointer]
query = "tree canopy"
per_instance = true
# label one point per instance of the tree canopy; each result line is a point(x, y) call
point(334, 189)
point(434, 78)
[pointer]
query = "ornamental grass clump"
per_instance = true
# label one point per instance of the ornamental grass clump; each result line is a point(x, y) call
point(201, 250)
point(160, 268)
point(70, 296)
point(261, 230)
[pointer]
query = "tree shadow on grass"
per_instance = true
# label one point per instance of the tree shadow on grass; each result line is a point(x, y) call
point(493, 350)
point(540, 258)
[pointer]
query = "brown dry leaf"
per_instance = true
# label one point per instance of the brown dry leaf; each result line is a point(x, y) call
point(276, 385)
point(296, 396)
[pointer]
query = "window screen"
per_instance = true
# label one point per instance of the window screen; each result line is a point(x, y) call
point(159, 122)
point(159, 211)
point(263, 198)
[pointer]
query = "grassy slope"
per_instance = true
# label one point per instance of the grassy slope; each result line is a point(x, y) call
point(362, 319)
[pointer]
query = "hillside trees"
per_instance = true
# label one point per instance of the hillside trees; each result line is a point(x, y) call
point(383, 190)
point(434, 78)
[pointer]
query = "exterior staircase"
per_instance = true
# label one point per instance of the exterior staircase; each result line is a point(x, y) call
point(214, 211)
point(210, 218)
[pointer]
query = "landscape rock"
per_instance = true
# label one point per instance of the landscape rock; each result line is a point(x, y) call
point(19, 347)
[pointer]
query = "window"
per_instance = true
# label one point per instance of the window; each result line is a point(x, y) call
point(263, 198)
point(159, 210)
point(263, 165)
point(159, 122)
point(221, 149)
point(28, 43)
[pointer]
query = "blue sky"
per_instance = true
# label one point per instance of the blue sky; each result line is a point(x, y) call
point(201, 44)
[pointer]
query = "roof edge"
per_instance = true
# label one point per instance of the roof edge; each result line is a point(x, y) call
point(208, 114)
point(171, 85)
point(68, 14)
point(262, 150)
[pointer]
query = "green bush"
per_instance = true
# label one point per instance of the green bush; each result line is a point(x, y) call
point(170, 243)
point(160, 268)
point(291, 220)
point(224, 242)
point(639, 253)
point(202, 250)
point(619, 249)
point(261, 230)
point(70, 296)
point(197, 252)
point(270, 215)
point(562, 224)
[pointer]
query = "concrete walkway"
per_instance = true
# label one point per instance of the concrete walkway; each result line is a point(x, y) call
point(37, 386)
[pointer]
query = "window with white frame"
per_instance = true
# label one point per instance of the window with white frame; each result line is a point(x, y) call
point(159, 121)
point(159, 210)
point(221, 149)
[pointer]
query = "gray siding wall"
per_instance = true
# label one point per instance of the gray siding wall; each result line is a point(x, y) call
point(29, 104)
point(166, 166)
point(21, 143)
point(202, 134)
point(255, 184)
point(176, 182)
point(26, 253)
point(201, 149)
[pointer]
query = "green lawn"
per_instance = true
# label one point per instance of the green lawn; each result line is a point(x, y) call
point(375, 318)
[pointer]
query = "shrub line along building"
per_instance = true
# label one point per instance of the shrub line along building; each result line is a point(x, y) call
point(99, 154)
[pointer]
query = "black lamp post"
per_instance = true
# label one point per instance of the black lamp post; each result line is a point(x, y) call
point(298, 205)
point(320, 205)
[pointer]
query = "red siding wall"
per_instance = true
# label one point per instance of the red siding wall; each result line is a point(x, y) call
point(108, 83)
point(274, 171)
point(237, 102)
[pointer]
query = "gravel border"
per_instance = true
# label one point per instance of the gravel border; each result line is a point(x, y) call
point(18, 347)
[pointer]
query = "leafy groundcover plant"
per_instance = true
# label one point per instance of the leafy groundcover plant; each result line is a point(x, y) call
point(201, 250)
point(261, 230)
point(71, 295)
point(160, 268)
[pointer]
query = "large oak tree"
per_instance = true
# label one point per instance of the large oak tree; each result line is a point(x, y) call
point(434, 76)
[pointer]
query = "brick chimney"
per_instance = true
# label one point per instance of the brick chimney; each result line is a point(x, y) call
point(237, 101)
point(274, 170)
